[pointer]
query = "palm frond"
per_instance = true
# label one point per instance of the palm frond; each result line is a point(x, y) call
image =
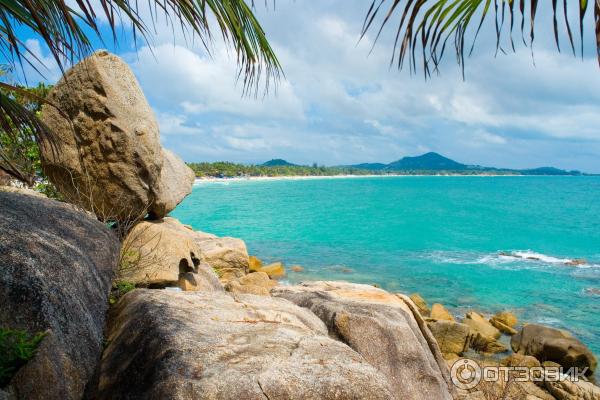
point(68, 27)
point(432, 24)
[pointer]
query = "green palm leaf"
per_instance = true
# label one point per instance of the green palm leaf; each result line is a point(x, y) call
point(67, 29)
point(433, 23)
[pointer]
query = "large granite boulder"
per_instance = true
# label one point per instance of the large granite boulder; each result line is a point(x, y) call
point(174, 184)
point(184, 345)
point(452, 337)
point(549, 344)
point(56, 266)
point(227, 255)
point(386, 329)
point(105, 154)
point(159, 253)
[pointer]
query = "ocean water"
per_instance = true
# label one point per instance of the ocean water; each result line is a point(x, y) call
point(443, 237)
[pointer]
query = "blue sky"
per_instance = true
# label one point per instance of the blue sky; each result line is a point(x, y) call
point(340, 105)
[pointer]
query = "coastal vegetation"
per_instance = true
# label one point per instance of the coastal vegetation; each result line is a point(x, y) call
point(426, 164)
point(16, 348)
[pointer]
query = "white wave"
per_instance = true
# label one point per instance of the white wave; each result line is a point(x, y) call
point(507, 258)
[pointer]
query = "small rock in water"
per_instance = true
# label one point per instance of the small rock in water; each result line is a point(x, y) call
point(297, 268)
point(575, 262)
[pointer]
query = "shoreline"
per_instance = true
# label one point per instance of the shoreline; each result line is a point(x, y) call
point(311, 177)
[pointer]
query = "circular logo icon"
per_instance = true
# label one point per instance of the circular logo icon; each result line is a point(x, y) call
point(465, 373)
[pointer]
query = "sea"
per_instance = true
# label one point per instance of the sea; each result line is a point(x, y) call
point(485, 243)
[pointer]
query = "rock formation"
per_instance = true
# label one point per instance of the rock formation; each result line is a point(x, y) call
point(549, 344)
point(181, 345)
point(56, 266)
point(105, 154)
point(385, 329)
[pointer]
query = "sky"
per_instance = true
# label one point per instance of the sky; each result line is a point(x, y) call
point(341, 104)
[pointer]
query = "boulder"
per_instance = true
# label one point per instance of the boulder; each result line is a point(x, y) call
point(507, 318)
point(386, 329)
point(486, 344)
point(520, 360)
point(157, 253)
point(452, 337)
point(570, 390)
point(227, 255)
point(275, 270)
point(105, 153)
point(439, 312)
point(257, 283)
point(549, 344)
point(502, 327)
point(297, 268)
point(174, 184)
point(254, 263)
point(194, 345)
point(479, 324)
point(420, 303)
point(56, 267)
point(203, 280)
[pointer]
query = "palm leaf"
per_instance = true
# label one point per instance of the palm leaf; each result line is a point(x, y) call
point(435, 22)
point(67, 28)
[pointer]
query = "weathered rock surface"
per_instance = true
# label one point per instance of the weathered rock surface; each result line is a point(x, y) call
point(568, 390)
point(174, 184)
point(452, 337)
point(203, 280)
point(479, 324)
point(184, 345)
point(549, 344)
point(507, 318)
point(420, 303)
point(439, 312)
point(502, 327)
point(254, 263)
point(106, 155)
point(386, 329)
point(227, 255)
point(157, 253)
point(257, 283)
point(56, 266)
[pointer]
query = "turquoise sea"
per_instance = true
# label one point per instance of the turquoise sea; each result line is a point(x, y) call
point(438, 236)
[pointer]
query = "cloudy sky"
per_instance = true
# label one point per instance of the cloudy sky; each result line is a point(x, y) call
point(340, 105)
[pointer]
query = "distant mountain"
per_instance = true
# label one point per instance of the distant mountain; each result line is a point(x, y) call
point(278, 162)
point(432, 162)
point(428, 162)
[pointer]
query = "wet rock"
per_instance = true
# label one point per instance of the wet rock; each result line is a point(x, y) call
point(549, 344)
point(507, 318)
point(56, 266)
point(254, 264)
point(502, 327)
point(274, 270)
point(296, 268)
